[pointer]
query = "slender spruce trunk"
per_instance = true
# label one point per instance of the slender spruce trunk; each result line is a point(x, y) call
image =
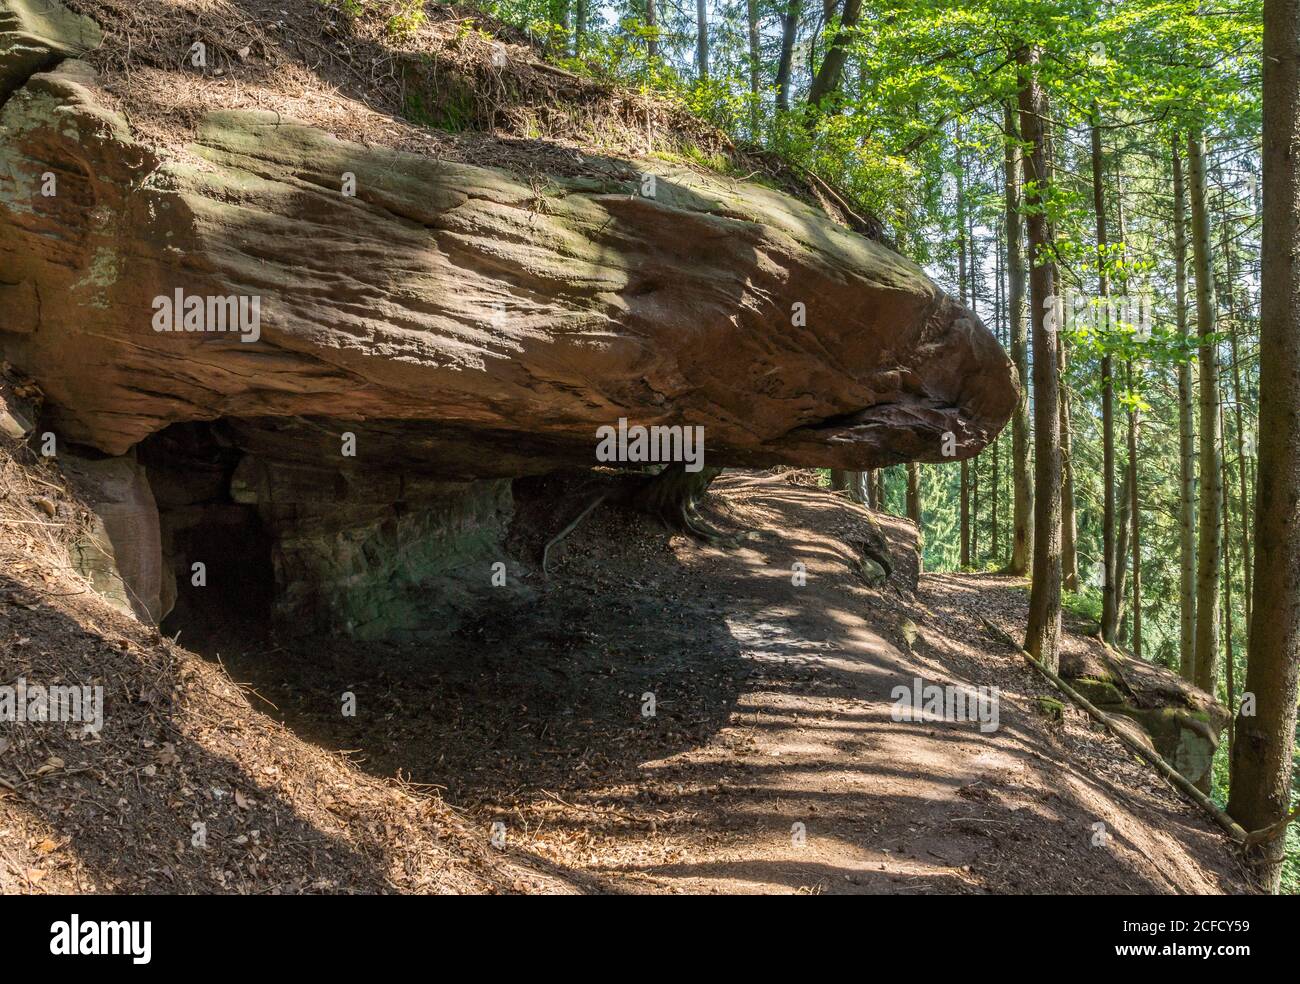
point(1265, 742)
point(1069, 548)
point(1134, 485)
point(1229, 661)
point(1186, 441)
point(1043, 630)
point(997, 441)
point(1135, 512)
point(702, 38)
point(1210, 545)
point(1243, 500)
point(755, 68)
point(1122, 551)
point(1022, 531)
point(1109, 601)
point(974, 281)
point(963, 290)
point(914, 492)
point(785, 66)
point(652, 23)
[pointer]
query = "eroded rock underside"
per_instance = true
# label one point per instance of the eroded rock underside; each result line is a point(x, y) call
point(428, 331)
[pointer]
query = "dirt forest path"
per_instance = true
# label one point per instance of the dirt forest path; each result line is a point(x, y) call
point(772, 762)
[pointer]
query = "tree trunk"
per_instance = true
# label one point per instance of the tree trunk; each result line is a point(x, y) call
point(975, 282)
point(652, 23)
point(1229, 657)
point(995, 533)
point(784, 68)
point(859, 487)
point(1069, 554)
point(1243, 500)
point(1133, 485)
point(999, 315)
point(580, 27)
point(702, 38)
point(964, 511)
point(557, 14)
point(1136, 513)
point(1186, 442)
point(827, 81)
point(1210, 543)
point(963, 290)
point(914, 501)
point(755, 67)
point(1069, 551)
point(1109, 601)
point(1265, 743)
point(1122, 552)
point(671, 496)
point(1022, 538)
point(1042, 633)
point(852, 482)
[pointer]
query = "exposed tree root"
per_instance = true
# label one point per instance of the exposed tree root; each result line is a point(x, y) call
point(1272, 831)
point(577, 520)
point(671, 497)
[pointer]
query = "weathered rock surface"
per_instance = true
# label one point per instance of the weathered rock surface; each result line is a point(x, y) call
point(452, 306)
point(16, 418)
point(1178, 720)
point(307, 547)
point(36, 35)
point(121, 552)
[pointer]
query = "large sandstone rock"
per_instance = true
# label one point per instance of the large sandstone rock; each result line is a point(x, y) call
point(121, 552)
point(36, 35)
point(1152, 703)
point(425, 329)
point(457, 308)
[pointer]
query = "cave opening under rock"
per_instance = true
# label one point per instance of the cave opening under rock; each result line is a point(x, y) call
point(291, 541)
point(218, 572)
